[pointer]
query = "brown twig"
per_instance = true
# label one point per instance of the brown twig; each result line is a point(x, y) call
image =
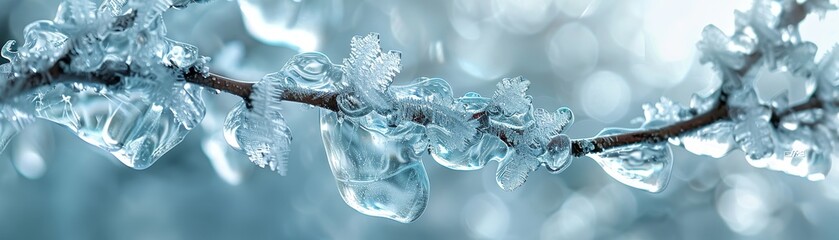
point(328, 100)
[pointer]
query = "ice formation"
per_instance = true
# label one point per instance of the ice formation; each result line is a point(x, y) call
point(145, 113)
point(374, 132)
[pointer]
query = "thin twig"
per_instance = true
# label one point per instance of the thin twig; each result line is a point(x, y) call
point(328, 100)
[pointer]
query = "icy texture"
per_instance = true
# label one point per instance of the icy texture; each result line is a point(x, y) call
point(752, 130)
point(377, 166)
point(261, 131)
point(644, 166)
point(368, 72)
point(479, 150)
point(665, 111)
point(147, 112)
point(449, 124)
point(510, 98)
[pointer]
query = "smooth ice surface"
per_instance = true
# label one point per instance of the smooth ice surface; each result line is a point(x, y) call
point(137, 124)
point(377, 167)
point(645, 166)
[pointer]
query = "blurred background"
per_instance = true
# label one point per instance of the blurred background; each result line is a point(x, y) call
point(601, 58)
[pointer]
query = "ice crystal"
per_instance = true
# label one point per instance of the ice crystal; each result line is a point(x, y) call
point(368, 74)
point(510, 97)
point(261, 131)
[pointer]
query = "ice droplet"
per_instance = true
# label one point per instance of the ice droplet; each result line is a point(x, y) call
point(377, 167)
point(312, 70)
point(558, 153)
point(644, 166)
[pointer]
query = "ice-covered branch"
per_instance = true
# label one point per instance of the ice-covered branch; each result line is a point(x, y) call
point(110, 75)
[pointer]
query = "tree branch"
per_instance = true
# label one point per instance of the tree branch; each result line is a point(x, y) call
point(328, 100)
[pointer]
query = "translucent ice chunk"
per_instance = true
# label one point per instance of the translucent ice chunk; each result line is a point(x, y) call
point(558, 155)
point(644, 166)
point(484, 149)
point(479, 150)
point(261, 132)
point(804, 152)
point(449, 124)
point(377, 167)
point(312, 70)
point(753, 132)
point(137, 123)
point(43, 45)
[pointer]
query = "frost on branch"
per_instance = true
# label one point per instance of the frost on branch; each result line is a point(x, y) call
point(261, 131)
point(369, 72)
point(145, 112)
point(377, 134)
point(773, 134)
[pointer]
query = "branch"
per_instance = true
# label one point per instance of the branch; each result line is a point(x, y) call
point(328, 100)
